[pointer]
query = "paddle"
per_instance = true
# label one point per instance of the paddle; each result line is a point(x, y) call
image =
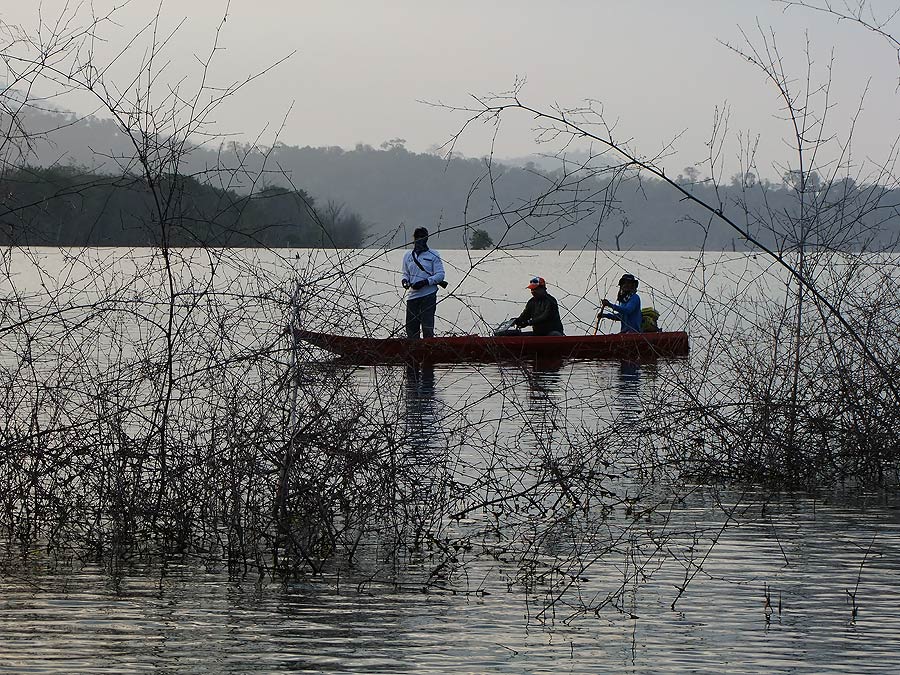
point(600, 315)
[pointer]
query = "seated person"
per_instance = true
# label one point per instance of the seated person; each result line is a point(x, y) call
point(627, 307)
point(542, 311)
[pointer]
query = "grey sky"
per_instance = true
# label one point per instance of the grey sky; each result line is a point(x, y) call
point(361, 68)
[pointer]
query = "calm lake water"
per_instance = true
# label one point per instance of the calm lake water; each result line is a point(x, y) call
point(782, 583)
point(806, 555)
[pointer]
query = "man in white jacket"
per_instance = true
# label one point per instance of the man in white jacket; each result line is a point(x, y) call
point(423, 272)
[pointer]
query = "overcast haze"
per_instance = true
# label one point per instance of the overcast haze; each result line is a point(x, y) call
point(360, 71)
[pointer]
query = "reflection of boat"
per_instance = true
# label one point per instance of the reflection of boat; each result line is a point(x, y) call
point(498, 348)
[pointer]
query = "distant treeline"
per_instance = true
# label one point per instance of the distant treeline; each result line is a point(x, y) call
point(395, 190)
point(548, 208)
point(70, 206)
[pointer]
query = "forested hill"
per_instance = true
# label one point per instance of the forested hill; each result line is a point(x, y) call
point(394, 190)
point(67, 206)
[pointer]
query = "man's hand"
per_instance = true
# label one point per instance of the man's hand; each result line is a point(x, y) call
point(421, 283)
point(605, 303)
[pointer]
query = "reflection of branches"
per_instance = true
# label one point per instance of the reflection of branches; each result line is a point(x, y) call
point(780, 393)
point(852, 594)
point(579, 124)
point(153, 405)
point(148, 411)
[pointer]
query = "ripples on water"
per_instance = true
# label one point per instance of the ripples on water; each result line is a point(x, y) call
point(182, 620)
point(804, 555)
point(772, 595)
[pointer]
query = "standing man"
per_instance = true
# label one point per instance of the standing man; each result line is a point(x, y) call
point(541, 311)
point(423, 272)
point(627, 307)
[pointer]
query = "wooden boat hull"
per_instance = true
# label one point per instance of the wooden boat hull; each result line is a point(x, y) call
point(479, 349)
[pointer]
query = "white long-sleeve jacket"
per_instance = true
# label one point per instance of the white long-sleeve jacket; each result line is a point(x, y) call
point(433, 272)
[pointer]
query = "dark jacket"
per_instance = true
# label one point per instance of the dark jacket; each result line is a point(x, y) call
point(541, 312)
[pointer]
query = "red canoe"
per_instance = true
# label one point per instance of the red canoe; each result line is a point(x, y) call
point(475, 348)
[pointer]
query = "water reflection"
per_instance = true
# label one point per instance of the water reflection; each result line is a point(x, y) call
point(544, 381)
point(558, 382)
point(628, 390)
point(807, 553)
point(421, 406)
point(626, 404)
point(423, 472)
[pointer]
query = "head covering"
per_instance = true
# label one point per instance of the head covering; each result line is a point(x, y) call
point(420, 243)
point(537, 282)
point(628, 278)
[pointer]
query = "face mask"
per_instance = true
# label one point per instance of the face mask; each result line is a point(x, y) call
point(420, 245)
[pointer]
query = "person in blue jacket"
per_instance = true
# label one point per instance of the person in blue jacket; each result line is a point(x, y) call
point(627, 307)
point(422, 273)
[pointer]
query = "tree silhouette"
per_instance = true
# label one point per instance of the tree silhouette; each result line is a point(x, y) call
point(480, 240)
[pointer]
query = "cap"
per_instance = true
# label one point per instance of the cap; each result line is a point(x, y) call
point(537, 282)
point(420, 233)
point(628, 278)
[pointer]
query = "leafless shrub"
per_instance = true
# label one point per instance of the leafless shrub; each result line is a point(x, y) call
point(798, 387)
point(154, 405)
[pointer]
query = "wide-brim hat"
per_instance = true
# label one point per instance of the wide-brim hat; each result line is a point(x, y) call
point(537, 282)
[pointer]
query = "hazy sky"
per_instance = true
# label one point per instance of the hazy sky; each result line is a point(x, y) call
point(361, 70)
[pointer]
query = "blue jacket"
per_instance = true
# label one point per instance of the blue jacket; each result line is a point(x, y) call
point(629, 313)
